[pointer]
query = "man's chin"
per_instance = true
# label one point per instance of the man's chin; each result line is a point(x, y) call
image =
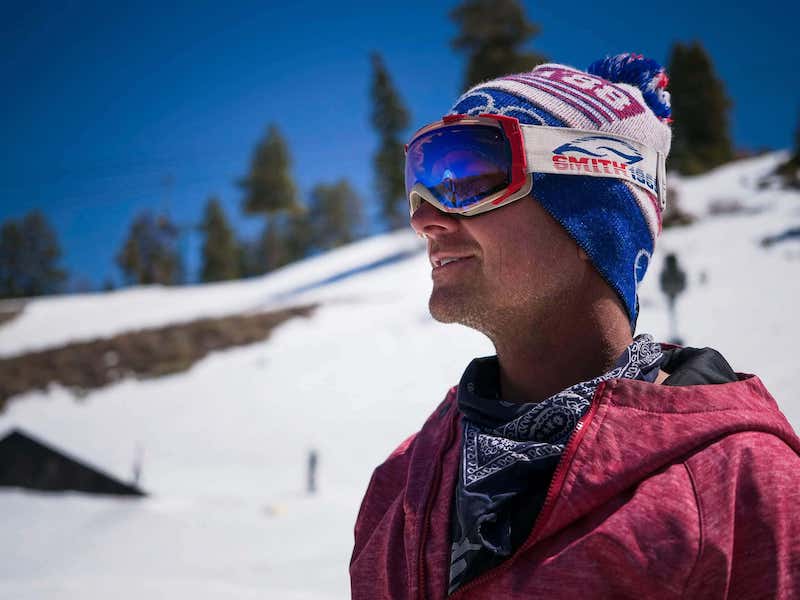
point(442, 308)
point(443, 316)
point(448, 307)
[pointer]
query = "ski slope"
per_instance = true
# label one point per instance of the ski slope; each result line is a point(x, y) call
point(225, 444)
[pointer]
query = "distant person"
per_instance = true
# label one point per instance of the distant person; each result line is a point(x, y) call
point(580, 461)
point(313, 460)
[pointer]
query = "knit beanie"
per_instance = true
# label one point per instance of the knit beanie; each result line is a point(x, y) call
point(615, 222)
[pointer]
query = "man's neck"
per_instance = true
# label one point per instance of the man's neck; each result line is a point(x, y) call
point(544, 360)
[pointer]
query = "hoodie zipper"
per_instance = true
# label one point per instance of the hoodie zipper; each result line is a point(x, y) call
point(437, 476)
point(552, 492)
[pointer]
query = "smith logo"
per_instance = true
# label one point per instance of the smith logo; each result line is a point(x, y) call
point(602, 155)
point(598, 146)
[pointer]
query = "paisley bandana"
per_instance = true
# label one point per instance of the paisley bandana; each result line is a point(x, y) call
point(510, 452)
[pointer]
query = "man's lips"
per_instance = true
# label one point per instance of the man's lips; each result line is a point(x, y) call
point(441, 259)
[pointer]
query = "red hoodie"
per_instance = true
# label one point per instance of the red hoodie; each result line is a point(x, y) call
point(662, 492)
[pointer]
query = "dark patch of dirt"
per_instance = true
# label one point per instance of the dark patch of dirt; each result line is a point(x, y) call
point(146, 353)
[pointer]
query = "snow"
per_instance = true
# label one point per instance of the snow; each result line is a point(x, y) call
point(732, 182)
point(225, 444)
point(51, 321)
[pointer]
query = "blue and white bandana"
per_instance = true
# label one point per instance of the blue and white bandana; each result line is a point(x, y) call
point(510, 452)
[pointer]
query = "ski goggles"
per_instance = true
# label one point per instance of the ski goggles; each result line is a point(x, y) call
point(469, 165)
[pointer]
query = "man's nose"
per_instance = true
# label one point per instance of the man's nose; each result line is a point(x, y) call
point(428, 221)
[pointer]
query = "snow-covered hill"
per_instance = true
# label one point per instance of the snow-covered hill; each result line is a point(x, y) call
point(225, 444)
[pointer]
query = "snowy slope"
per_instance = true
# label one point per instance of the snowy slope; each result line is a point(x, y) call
point(50, 321)
point(225, 444)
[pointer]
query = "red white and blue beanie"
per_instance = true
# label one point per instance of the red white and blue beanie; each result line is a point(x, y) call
point(615, 222)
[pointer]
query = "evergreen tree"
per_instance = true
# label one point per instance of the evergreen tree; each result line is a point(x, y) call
point(700, 106)
point(269, 187)
point(249, 258)
point(286, 239)
point(335, 214)
point(29, 255)
point(220, 252)
point(272, 249)
point(270, 191)
point(790, 170)
point(299, 235)
point(11, 269)
point(389, 118)
point(272, 252)
point(796, 152)
point(491, 33)
point(150, 253)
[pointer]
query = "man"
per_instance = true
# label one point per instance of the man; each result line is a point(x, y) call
point(580, 461)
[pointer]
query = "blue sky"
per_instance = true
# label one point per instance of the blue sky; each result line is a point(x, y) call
point(109, 111)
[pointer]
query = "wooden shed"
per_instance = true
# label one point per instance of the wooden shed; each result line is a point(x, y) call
point(26, 462)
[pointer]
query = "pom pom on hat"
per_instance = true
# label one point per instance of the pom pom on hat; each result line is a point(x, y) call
point(644, 73)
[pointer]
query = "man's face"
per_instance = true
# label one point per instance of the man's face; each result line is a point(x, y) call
point(514, 265)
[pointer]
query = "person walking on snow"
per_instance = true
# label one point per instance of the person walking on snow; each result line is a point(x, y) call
point(582, 461)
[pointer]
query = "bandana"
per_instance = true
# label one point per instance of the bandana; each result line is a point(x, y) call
point(510, 452)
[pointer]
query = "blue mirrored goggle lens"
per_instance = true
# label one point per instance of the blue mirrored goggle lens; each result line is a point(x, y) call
point(460, 164)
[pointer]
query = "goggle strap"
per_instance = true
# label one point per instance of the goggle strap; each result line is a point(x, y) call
point(565, 151)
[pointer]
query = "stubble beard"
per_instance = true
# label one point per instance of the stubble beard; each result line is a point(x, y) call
point(518, 310)
point(462, 304)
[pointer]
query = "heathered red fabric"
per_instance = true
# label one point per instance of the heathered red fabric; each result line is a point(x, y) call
point(662, 492)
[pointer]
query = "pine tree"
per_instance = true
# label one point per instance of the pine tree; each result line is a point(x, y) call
point(220, 251)
point(270, 191)
point(790, 170)
point(335, 214)
point(12, 282)
point(299, 235)
point(29, 256)
point(700, 106)
point(269, 187)
point(249, 258)
point(491, 33)
point(796, 152)
point(389, 118)
point(271, 249)
point(286, 239)
point(150, 253)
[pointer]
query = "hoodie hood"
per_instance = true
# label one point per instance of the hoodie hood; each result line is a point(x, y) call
point(636, 429)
